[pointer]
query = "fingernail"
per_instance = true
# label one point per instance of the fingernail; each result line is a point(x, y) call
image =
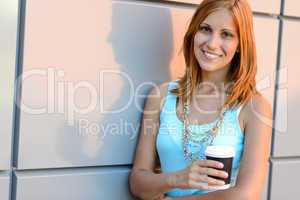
point(226, 174)
point(221, 165)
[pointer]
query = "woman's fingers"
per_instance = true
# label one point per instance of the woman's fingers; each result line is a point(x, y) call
point(213, 172)
point(209, 163)
point(208, 170)
point(199, 181)
point(198, 177)
point(211, 181)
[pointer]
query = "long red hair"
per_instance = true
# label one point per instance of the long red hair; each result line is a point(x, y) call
point(243, 65)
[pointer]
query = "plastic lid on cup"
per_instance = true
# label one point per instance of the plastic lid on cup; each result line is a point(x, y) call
point(220, 151)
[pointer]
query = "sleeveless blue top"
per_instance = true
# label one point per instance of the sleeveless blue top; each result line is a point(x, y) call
point(169, 140)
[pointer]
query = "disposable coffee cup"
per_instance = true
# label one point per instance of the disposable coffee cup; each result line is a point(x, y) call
point(225, 155)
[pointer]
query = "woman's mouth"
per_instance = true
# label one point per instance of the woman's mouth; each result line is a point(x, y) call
point(210, 55)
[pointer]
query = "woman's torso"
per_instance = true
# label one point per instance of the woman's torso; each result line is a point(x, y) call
point(169, 140)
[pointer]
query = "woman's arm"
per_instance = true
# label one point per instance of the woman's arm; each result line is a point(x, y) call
point(254, 164)
point(144, 183)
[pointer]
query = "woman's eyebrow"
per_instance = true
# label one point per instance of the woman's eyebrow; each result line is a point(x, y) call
point(205, 24)
point(223, 29)
point(228, 29)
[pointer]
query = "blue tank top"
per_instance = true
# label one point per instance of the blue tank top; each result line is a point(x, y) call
point(169, 140)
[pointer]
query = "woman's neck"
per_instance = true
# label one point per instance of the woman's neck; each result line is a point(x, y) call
point(212, 82)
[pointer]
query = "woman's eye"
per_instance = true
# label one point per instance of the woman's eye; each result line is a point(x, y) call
point(204, 29)
point(227, 35)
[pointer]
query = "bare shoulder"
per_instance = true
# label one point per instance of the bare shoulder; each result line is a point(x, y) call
point(160, 89)
point(156, 96)
point(258, 108)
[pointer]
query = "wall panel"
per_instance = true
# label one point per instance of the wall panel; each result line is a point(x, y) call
point(287, 135)
point(84, 85)
point(8, 39)
point(266, 46)
point(266, 6)
point(285, 178)
point(292, 8)
point(4, 185)
point(79, 184)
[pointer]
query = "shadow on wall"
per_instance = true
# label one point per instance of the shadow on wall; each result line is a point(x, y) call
point(142, 42)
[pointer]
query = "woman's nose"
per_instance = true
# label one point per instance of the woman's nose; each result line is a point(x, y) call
point(213, 41)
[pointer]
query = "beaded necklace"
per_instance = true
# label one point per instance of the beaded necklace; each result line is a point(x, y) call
point(190, 139)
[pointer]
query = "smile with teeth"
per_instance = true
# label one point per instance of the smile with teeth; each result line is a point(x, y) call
point(210, 56)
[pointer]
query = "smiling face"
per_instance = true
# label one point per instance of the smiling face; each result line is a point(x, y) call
point(216, 41)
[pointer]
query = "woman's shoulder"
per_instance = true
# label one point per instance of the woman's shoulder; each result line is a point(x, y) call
point(158, 90)
point(258, 106)
point(158, 93)
point(162, 89)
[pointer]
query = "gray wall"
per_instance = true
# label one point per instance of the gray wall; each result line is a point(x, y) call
point(86, 69)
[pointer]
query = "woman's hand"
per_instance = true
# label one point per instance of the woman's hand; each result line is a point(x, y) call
point(196, 176)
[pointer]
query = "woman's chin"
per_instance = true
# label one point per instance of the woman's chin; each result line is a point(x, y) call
point(209, 68)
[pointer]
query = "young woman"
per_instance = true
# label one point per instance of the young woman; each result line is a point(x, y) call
point(214, 103)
